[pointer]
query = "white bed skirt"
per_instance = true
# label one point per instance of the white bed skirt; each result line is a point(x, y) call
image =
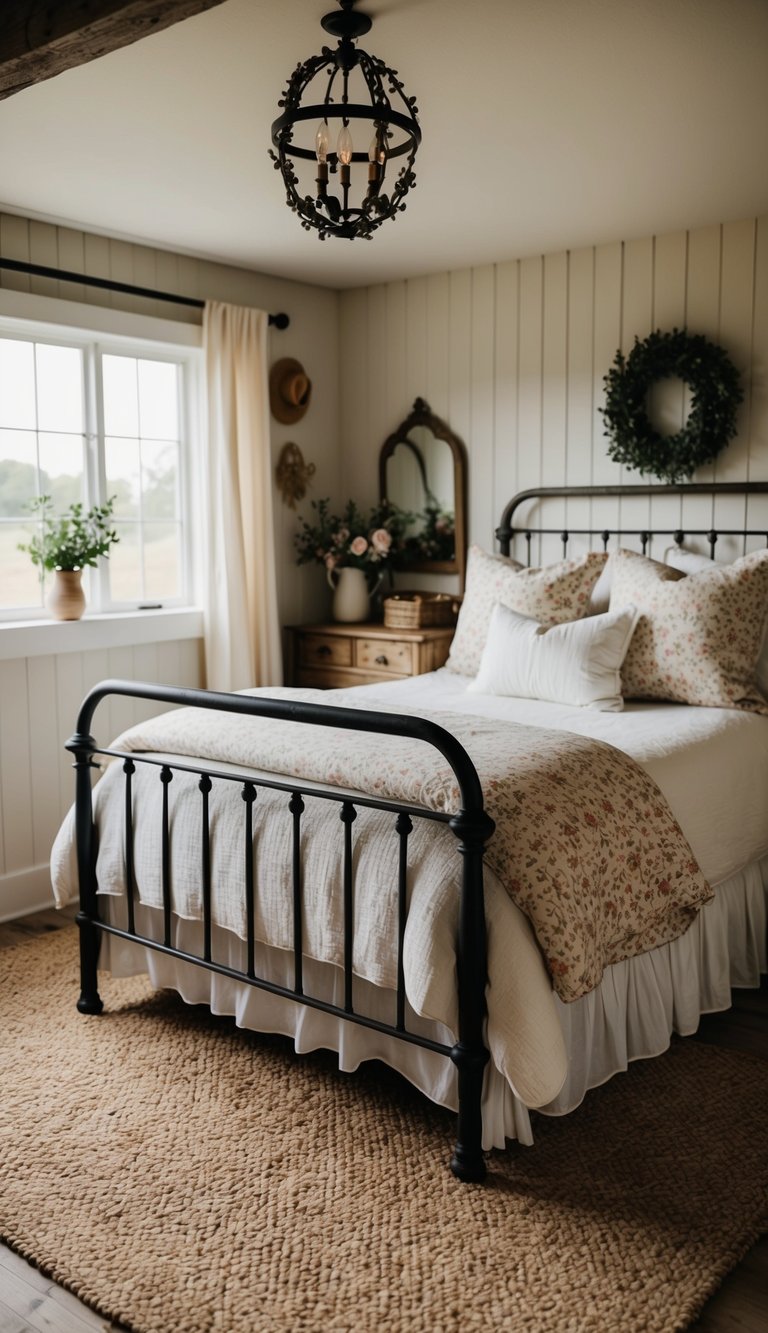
point(629, 1016)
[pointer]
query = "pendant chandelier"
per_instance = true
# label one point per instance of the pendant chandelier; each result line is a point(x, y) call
point(354, 119)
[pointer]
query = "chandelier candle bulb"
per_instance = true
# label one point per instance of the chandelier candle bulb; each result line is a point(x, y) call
point(345, 147)
point(322, 142)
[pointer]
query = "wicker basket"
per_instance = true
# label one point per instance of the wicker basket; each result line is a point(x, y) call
point(420, 610)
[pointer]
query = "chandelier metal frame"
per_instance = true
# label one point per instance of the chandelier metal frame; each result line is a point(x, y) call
point(396, 134)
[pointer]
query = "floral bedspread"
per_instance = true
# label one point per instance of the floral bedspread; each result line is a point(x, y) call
point(585, 843)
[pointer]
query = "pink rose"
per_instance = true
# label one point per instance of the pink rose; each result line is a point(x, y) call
point(381, 540)
point(330, 561)
point(359, 546)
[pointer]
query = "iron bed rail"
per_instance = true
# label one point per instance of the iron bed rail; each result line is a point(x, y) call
point(506, 530)
point(470, 824)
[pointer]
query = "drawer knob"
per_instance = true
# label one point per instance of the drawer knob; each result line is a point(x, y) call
point(324, 650)
point(381, 660)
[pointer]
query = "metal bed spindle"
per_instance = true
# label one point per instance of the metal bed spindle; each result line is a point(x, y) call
point(166, 778)
point(129, 768)
point(205, 785)
point(348, 817)
point(249, 796)
point(296, 807)
point(403, 826)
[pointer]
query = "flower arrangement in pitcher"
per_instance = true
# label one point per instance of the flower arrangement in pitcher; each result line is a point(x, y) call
point(353, 539)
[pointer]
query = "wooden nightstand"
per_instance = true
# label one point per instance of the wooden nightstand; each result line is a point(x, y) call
point(330, 656)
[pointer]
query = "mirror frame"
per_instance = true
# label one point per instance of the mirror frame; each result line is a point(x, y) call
point(422, 415)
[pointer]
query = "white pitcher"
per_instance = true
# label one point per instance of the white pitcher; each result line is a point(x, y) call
point(351, 595)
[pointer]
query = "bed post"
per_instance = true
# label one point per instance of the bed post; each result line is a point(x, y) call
point(82, 746)
point(470, 1054)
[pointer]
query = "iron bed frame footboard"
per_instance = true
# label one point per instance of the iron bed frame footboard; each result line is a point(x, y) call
point(471, 825)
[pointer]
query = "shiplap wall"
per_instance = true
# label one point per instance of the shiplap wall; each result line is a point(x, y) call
point(513, 356)
point(39, 696)
point(39, 701)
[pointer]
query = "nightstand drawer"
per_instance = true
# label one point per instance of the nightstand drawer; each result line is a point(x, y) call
point(393, 655)
point(324, 650)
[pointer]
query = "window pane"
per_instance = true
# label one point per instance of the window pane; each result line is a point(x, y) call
point(158, 408)
point(20, 584)
point(159, 475)
point(121, 399)
point(59, 388)
point(61, 468)
point(122, 469)
point(161, 560)
point(18, 471)
point(17, 383)
point(125, 565)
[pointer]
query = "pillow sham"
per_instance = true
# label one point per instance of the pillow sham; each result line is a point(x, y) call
point(690, 562)
point(577, 662)
point(550, 595)
point(698, 638)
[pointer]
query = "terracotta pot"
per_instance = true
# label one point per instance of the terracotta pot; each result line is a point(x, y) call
point(66, 599)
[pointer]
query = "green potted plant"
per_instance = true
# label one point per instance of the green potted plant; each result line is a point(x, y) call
point(64, 545)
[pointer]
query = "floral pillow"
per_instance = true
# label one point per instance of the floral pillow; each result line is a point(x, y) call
point(698, 638)
point(550, 595)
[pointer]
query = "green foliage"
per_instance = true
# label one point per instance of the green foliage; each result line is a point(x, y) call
point(72, 540)
point(715, 397)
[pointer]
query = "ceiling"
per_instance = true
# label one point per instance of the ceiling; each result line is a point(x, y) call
point(547, 124)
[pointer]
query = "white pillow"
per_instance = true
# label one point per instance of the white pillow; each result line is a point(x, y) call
point(578, 662)
point(687, 562)
point(550, 595)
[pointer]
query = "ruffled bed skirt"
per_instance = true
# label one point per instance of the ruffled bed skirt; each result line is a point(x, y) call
point(631, 1015)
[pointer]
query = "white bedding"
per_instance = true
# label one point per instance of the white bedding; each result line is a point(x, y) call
point(712, 765)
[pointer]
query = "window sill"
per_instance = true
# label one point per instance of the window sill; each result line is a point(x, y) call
point(40, 638)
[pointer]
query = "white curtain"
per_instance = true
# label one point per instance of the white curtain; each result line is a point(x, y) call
point(242, 633)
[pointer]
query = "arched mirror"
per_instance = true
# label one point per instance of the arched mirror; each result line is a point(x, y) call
point(422, 470)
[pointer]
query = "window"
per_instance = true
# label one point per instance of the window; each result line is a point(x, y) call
point(86, 421)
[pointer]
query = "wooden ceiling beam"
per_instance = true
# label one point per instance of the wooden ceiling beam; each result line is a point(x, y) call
point(41, 38)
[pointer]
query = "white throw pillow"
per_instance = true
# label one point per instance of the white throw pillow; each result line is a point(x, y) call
point(578, 662)
point(687, 562)
point(550, 595)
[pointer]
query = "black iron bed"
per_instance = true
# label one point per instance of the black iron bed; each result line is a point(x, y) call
point(470, 824)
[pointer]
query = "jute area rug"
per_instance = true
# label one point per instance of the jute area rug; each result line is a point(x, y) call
point(181, 1176)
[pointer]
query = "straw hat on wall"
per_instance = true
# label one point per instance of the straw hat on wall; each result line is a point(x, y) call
point(289, 391)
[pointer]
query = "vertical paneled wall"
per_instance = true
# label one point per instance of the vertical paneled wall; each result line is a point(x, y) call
point(39, 699)
point(513, 356)
point(312, 338)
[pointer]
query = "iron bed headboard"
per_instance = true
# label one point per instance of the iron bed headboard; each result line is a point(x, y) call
point(506, 531)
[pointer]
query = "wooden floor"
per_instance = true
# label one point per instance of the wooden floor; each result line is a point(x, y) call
point(29, 1301)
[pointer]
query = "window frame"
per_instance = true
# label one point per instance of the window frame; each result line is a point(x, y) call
point(94, 343)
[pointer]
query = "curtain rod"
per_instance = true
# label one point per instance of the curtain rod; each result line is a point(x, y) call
point(279, 321)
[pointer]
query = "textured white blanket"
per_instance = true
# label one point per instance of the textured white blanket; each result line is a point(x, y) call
point(521, 1019)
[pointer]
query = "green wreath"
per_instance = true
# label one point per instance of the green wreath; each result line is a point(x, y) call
point(715, 397)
